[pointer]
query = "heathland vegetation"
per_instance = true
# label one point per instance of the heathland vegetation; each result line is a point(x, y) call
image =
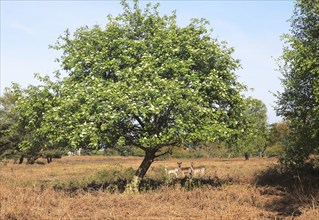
point(90, 187)
point(144, 90)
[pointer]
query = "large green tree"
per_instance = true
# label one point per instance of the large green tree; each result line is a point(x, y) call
point(8, 117)
point(141, 81)
point(35, 138)
point(298, 104)
point(254, 126)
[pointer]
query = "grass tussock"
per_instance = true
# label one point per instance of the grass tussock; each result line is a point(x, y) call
point(298, 189)
point(90, 188)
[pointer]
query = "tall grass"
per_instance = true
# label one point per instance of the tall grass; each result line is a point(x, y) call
point(90, 188)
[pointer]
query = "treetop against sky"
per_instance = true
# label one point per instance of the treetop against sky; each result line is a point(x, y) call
point(253, 28)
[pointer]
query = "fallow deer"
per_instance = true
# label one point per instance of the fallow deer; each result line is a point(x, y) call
point(185, 171)
point(197, 171)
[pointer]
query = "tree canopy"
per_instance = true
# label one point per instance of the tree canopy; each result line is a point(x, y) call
point(8, 117)
point(253, 123)
point(299, 64)
point(140, 81)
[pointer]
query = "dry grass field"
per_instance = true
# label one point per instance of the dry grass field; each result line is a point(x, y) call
point(231, 189)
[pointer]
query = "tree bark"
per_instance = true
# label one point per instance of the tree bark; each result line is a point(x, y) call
point(133, 186)
point(49, 159)
point(263, 152)
point(247, 156)
point(21, 159)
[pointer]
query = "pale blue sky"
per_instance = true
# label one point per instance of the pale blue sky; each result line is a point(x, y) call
point(253, 28)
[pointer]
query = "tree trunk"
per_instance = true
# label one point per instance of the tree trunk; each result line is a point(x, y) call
point(263, 152)
point(247, 156)
point(21, 159)
point(49, 159)
point(133, 186)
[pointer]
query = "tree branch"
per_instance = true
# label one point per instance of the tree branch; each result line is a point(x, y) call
point(139, 121)
point(141, 147)
point(169, 151)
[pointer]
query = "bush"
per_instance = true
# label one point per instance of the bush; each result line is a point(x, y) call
point(112, 179)
point(202, 150)
point(57, 153)
point(301, 182)
point(113, 174)
point(275, 150)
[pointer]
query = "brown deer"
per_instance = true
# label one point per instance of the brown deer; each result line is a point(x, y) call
point(172, 172)
point(184, 171)
point(197, 171)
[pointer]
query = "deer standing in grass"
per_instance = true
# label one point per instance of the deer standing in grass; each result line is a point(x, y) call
point(179, 171)
point(185, 171)
point(197, 171)
point(172, 172)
